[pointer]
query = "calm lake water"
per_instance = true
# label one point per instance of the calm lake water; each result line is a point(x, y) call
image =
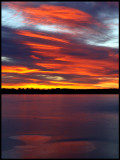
point(60, 126)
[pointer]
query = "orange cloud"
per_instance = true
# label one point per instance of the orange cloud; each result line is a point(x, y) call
point(76, 64)
point(49, 65)
point(44, 49)
point(31, 34)
point(15, 69)
point(34, 57)
point(41, 46)
point(108, 84)
point(51, 14)
point(23, 70)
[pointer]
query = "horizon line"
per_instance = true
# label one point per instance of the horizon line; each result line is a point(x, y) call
point(59, 88)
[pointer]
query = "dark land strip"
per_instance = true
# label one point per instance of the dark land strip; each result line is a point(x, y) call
point(59, 91)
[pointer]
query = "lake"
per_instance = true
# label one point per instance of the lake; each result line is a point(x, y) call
point(60, 126)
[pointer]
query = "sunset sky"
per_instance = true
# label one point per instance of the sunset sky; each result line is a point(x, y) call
point(60, 44)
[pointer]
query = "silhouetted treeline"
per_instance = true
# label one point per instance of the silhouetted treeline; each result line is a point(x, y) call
point(59, 91)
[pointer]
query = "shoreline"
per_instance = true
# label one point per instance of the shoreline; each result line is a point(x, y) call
point(60, 91)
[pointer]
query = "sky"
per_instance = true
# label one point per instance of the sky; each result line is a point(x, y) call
point(67, 44)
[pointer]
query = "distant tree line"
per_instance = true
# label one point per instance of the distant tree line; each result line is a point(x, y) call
point(58, 91)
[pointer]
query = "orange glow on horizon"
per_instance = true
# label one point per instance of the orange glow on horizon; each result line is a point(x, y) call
point(62, 85)
point(35, 86)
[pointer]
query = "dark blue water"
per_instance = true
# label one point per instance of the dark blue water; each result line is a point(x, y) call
point(60, 126)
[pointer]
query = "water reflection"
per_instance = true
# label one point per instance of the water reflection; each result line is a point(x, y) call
point(42, 147)
point(60, 126)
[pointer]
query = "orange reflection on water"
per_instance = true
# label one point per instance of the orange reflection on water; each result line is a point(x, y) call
point(37, 146)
